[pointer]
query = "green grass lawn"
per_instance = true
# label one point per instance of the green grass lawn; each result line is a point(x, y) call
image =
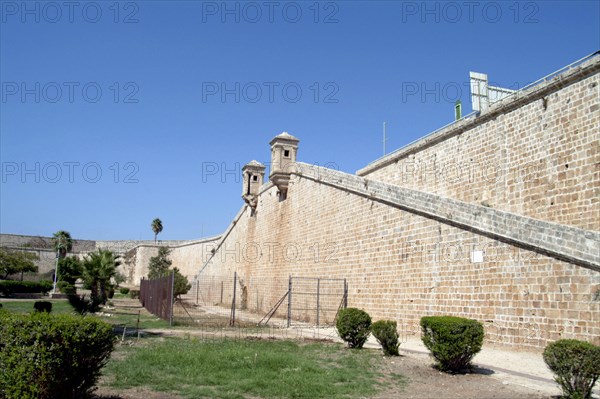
point(247, 368)
point(26, 306)
point(118, 317)
point(233, 368)
point(129, 319)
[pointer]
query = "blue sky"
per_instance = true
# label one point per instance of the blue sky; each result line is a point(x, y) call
point(114, 113)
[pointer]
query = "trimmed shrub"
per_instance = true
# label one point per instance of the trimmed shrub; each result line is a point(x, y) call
point(453, 341)
point(353, 326)
point(385, 331)
point(82, 305)
point(124, 290)
point(46, 356)
point(42, 306)
point(9, 287)
point(576, 365)
point(66, 288)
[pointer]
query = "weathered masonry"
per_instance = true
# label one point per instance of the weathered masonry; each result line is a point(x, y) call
point(494, 217)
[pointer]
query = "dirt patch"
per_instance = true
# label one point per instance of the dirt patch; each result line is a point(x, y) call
point(317, 340)
point(421, 380)
point(133, 393)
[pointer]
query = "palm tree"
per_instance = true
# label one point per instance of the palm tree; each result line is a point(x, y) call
point(98, 270)
point(157, 227)
point(63, 243)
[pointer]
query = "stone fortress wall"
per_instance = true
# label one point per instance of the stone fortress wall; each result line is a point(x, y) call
point(495, 217)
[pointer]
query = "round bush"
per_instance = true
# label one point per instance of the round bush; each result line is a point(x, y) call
point(124, 290)
point(42, 306)
point(353, 326)
point(385, 331)
point(453, 341)
point(46, 356)
point(576, 365)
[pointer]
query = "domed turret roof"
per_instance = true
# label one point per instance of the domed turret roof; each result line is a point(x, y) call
point(254, 164)
point(285, 136)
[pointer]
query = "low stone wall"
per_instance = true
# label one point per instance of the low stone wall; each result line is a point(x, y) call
point(188, 258)
point(38, 242)
point(135, 254)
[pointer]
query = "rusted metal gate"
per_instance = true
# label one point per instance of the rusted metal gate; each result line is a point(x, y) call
point(157, 296)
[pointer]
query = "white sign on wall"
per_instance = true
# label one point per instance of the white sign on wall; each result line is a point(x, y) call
point(477, 257)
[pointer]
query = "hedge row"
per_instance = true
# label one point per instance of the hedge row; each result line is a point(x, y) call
point(9, 287)
point(46, 356)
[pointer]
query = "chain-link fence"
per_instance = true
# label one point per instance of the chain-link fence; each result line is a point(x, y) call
point(230, 300)
point(316, 300)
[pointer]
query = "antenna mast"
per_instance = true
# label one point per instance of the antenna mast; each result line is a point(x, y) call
point(384, 138)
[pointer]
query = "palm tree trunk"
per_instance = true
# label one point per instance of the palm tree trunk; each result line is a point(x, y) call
point(103, 292)
point(94, 288)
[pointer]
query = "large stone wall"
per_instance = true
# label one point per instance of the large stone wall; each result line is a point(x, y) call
point(402, 266)
point(535, 154)
point(404, 260)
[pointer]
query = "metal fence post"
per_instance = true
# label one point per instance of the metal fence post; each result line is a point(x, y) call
point(289, 315)
point(142, 291)
point(318, 298)
point(172, 292)
point(232, 321)
point(345, 294)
